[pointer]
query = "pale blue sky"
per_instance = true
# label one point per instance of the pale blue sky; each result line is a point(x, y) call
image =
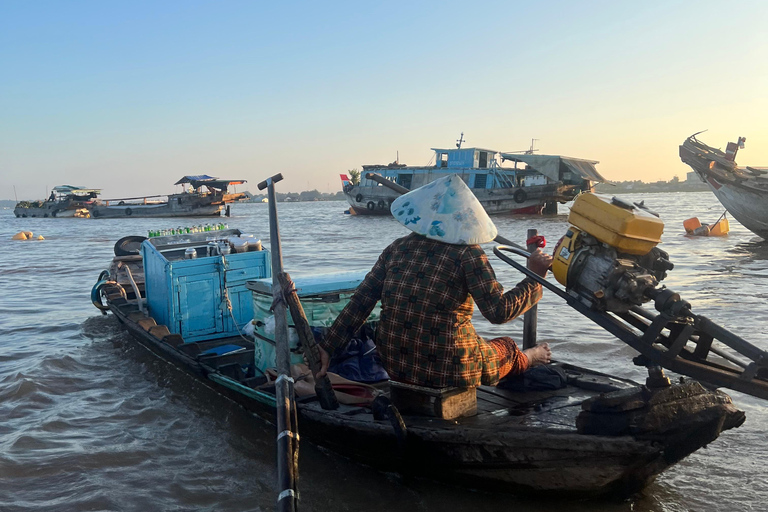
point(130, 96)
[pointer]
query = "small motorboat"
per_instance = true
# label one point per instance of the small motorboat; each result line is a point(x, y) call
point(592, 434)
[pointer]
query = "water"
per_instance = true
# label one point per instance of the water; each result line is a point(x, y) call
point(91, 421)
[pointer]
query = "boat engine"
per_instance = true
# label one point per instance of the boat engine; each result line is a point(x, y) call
point(609, 264)
point(609, 255)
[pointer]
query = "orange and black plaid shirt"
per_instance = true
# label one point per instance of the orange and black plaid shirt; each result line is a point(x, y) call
point(426, 289)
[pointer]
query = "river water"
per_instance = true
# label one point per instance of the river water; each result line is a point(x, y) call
point(91, 421)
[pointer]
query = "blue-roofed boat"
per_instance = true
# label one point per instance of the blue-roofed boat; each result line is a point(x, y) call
point(534, 184)
point(206, 196)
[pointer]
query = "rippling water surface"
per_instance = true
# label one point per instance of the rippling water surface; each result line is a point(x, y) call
point(91, 421)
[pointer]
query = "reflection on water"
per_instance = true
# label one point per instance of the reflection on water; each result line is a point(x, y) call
point(92, 421)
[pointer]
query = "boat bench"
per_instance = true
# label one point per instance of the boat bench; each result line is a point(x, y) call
point(444, 403)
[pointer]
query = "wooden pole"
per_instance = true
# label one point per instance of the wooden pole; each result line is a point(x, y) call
point(530, 317)
point(287, 428)
point(323, 386)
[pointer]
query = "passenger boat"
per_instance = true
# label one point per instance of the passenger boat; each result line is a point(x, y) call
point(192, 304)
point(535, 187)
point(743, 191)
point(64, 201)
point(207, 196)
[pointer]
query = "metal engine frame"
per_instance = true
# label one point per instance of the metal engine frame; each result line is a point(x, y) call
point(662, 338)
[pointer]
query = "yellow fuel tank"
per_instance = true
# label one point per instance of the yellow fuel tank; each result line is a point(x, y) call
point(619, 224)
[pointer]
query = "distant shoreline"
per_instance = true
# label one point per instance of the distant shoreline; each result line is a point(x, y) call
point(603, 188)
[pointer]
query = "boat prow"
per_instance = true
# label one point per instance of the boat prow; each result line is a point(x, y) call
point(743, 191)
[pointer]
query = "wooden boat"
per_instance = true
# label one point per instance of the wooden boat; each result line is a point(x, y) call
point(207, 197)
point(742, 190)
point(596, 435)
point(537, 186)
point(64, 201)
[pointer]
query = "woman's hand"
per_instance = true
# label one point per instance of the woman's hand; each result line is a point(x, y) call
point(539, 262)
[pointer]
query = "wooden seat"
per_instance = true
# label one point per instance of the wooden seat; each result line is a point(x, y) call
point(445, 403)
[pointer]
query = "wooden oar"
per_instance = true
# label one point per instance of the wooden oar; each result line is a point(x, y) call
point(287, 428)
point(323, 386)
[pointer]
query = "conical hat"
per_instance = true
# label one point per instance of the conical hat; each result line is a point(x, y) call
point(445, 210)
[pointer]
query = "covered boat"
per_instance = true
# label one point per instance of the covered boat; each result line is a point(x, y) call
point(592, 434)
point(207, 196)
point(64, 201)
point(743, 191)
point(534, 185)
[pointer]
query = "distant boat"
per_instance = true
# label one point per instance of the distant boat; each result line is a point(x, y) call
point(207, 196)
point(533, 188)
point(64, 201)
point(742, 190)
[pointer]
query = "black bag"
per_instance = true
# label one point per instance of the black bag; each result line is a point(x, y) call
point(539, 378)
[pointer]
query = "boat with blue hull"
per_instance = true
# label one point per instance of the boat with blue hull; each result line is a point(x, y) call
point(186, 299)
point(533, 185)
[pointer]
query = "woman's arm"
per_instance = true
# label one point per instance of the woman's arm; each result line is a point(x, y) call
point(359, 308)
point(495, 305)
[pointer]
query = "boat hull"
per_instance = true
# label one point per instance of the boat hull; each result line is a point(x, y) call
point(748, 207)
point(507, 458)
point(154, 210)
point(48, 209)
point(522, 200)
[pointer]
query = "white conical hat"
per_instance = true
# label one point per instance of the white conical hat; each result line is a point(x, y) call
point(445, 210)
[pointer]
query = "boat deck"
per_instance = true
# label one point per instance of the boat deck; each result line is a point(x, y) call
point(552, 409)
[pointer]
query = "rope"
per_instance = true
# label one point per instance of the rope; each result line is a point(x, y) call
point(232, 314)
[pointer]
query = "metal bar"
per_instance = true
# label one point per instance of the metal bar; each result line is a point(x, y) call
point(530, 318)
point(132, 198)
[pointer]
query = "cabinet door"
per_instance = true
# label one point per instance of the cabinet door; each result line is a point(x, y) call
point(200, 305)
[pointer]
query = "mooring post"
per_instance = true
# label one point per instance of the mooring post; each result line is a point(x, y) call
point(531, 316)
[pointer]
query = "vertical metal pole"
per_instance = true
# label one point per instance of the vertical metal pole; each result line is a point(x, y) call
point(287, 428)
point(530, 318)
point(282, 350)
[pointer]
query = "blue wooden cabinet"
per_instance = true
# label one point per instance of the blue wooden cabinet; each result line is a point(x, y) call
point(192, 297)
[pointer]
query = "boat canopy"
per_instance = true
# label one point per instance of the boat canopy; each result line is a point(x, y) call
point(71, 189)
point(199, 177)
point(551, 165)
point(208, 181)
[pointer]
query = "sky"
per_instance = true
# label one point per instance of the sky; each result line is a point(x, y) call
point(130, 96)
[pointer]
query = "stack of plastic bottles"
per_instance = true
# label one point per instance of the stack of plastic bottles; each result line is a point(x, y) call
point(200, 228)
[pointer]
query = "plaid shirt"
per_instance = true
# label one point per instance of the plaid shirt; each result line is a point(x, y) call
point(426, 289)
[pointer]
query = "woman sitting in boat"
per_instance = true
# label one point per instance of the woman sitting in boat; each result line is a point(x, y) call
point(427, 281)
